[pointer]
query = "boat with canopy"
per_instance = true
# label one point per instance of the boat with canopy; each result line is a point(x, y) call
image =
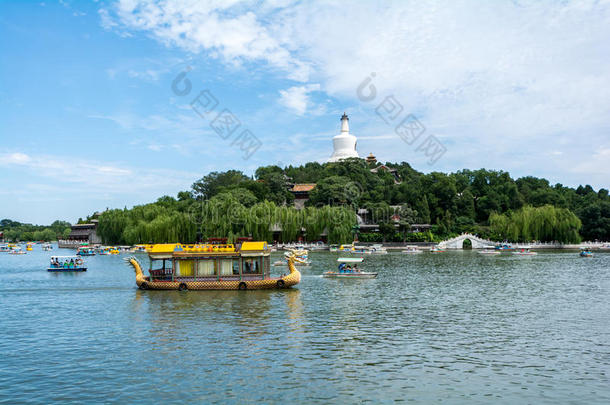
point(378, 249)
point(86, 251)
point(585, 252)
point(16, 250)
point(66, 263)
point(108, 250)
point(348, 268)
point(212, 267)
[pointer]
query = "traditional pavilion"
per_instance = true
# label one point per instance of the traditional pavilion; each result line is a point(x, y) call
point(301, 193)
point(344, 144)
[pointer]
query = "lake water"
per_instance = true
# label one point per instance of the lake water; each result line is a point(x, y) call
point(456, 327)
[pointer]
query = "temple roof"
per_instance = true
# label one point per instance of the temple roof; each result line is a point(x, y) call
point(305, 187)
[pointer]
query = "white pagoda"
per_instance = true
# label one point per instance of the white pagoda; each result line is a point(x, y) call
point(344, 144)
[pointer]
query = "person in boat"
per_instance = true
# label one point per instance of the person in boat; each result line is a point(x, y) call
point(342, 268)
point(356, 269)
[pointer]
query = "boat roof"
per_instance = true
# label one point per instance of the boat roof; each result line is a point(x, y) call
point(168, 250)
point(350, 260)
point(64, 257)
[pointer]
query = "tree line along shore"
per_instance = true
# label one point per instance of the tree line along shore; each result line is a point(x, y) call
point(394, 196)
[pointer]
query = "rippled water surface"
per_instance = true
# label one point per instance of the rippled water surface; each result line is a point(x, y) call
point(457, 327)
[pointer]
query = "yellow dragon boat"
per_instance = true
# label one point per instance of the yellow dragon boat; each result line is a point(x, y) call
point(212, 267)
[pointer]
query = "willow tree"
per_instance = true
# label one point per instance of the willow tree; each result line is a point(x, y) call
point(259, 220)
point(339, 222)
point(314, 222)
point(223, 216)
point(290, 220)
point(112, 224)
point(546, 223)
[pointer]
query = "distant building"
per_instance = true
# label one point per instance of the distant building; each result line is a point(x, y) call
point(371, 159)
point(344, 144)
point(82, 233)
point(367, 223)
point(420, 227)
point(385, 168)
point(301, 193)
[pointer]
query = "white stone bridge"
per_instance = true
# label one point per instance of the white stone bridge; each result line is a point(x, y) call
point(458, 242)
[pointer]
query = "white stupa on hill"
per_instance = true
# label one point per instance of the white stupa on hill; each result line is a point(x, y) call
point(344, 144)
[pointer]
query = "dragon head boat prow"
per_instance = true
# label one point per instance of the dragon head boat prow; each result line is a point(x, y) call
point(293, 256)
point(137, 268)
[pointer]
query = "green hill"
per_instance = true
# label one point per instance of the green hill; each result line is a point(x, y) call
point(231, 204)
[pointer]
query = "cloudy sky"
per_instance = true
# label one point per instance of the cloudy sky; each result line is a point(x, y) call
point(97, 98)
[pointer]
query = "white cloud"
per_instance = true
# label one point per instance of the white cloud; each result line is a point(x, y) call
point(223, 28)
point(82, 176)
point(494, 80)
point(148, 74)
point(15, 158)
point(296, 98)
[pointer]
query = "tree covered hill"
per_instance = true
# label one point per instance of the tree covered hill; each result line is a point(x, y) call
point(233, 204)
point(17, 231)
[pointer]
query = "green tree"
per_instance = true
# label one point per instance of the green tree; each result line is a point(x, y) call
point(208, 186)
point(546, 223)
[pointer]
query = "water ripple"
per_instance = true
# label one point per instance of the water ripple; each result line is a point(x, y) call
point(455, 328)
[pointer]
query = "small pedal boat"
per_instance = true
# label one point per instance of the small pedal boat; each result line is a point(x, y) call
point(411, 250)
point(585, 252)
point(66, 264)
point(346, 271)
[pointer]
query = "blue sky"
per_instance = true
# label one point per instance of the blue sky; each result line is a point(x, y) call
point(89, 119)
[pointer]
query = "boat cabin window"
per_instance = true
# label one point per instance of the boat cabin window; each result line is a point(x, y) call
point(185, 268)
point(206, 268)
point(161, 264)
point(252, 266)
point(228, 267)
point(160, 267)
